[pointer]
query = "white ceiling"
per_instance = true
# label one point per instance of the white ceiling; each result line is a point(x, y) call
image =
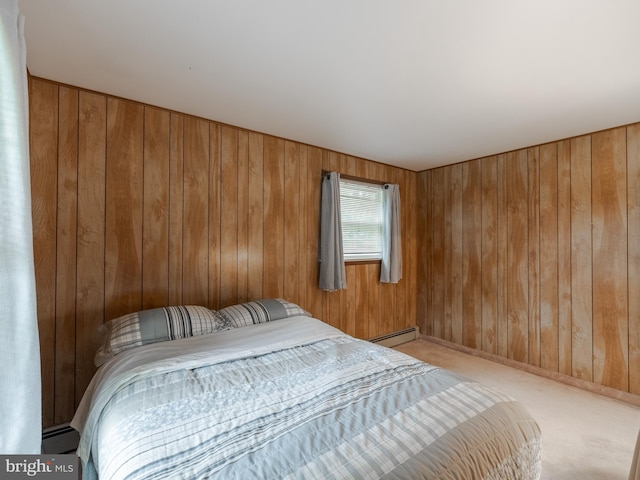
point(412, 83)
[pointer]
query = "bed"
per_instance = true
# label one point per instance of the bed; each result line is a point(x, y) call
point(294, 399)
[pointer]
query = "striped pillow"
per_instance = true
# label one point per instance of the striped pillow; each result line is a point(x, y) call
point(260, 311)
point(156, 325)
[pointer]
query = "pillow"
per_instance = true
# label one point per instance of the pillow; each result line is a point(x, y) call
point(155, 325)
point(261, 311)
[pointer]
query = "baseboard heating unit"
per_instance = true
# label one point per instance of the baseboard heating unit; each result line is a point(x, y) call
point(60, 439)
point(396, 338)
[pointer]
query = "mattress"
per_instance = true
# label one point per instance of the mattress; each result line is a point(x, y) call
point(296, 399)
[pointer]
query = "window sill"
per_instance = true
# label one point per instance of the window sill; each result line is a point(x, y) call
point(348, 263)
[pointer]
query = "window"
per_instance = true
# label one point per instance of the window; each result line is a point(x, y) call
point(362, 221)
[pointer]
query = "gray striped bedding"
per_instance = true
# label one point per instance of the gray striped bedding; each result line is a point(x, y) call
point(296, 399)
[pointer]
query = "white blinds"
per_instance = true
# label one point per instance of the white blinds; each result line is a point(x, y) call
point(362, 221)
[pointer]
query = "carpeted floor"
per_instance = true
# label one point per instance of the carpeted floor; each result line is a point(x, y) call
point(584, 435)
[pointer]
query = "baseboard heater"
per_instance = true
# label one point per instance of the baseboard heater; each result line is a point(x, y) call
point(396, 338)
point(60, 439)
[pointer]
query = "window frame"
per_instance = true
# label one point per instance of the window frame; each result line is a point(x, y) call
point(368, 261)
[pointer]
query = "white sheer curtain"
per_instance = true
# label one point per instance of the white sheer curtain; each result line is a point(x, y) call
point(332, 272)
point(20, 387)
point(391, 266)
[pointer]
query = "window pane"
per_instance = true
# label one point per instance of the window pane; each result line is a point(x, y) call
point(361, 212)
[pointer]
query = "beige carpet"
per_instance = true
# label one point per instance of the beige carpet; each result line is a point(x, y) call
point(584, 435)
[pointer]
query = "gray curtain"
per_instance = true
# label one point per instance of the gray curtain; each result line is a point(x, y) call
point(391, 266)
point(332, 272)
point(20, 384)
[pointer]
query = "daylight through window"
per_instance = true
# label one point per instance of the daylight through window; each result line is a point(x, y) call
point(361, 212)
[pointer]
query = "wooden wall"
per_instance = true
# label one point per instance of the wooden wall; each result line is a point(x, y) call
point(136, 207)
point(534, 255)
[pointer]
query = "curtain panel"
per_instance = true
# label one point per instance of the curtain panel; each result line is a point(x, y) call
point(20, 383)
point(391, 265)
point(332, 271)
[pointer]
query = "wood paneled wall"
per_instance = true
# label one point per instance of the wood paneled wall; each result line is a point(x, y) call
point(136, 207)
point(534, 255)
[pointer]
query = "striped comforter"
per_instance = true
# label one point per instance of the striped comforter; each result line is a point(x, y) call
point(297, 399)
